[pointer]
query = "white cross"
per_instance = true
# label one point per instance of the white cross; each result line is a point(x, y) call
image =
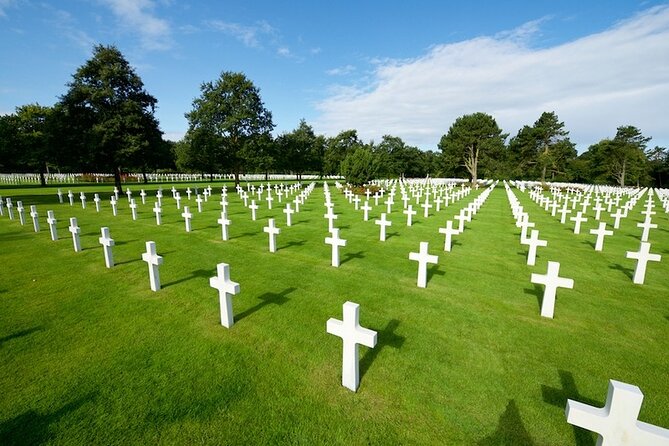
point(113, 203)
point(461, 220)
point(224, 222)
point(533, 242)
point(226, 289)
point(272, 231)
point(82, 197)
point(74, 229)
point(133, 207)
point(70, 196)
point(289, 212)
point(426, 207)
point(647, 225)
point(423, 258)
point(199, 201)
point(142, 194)
point(96, 199)
point(128, 192)
point(269, 199)
point(524, 225)
point(187, 215)
point(157, 210)
point(21, 210)
point(34, 215)
point(189, 192)
point(617, 216)
point(331, 216)
point(600, 232)
point(254, 208)
point(563, 214)
point(577, 222)
point(551, 280)
point(60, 196)
point(449, 231)
point(356, 202)
point(153, 260)
point(383, 223)
point(598, 211)
point(177, 197)
point(350, 331)
point(116, 193)
point(365, 210)
point(617, 422)
point(389, 205)
point(409, 212)
point(107, 242)
point(336, 242)
point(643, 256)
point(159, 197)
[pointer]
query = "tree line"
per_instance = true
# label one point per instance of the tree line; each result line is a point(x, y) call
point(105, 122)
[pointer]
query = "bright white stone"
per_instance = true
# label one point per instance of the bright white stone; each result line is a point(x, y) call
point(199, 201)
point(643, 256)
point(365, 210)
point(449, 231)
point(153, 260)
point(224, 222)
point(226, 289)
point(107, 242)
point(423, 258)
point(187, 215)
point(35, 217)
point(113, 203)
point(409, 212)
point(254, 208)
point(647, 225)
point(577, 222)
point(383, 223)
point(331, 216)
point(22, 215)
point(533, 242)
point(133, 208)
point(600, 232)
point(352, 334)
point(551, 280)
point(82, 197)
point(617, 422)
point(336, 242)
point(158, 211)
point(51, 220)
point(75, 230)
point(273, 231)
point(289, 212)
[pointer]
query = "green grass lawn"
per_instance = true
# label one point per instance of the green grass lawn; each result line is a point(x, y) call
point(90, 355)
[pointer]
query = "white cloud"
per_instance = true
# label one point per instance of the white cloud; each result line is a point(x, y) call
point(283, 51)
point(249, 35)
point(594, 84)
point(138, 16)
point(340, 71)
point(4, 5)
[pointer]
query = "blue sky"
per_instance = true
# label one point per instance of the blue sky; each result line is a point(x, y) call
point(382, 67)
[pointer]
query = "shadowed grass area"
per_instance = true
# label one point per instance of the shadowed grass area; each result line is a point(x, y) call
point(91, 356)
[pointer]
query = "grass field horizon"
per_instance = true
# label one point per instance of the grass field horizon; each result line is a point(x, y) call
point(91, 355)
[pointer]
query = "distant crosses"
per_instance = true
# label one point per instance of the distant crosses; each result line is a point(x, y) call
point(51, 220)
point(272, 231)
point(577, 222)
point(352, 334)
point(133, 208)
point(289, 212)
point(365, 210)
point(643, 256)
point(449, 231)
point(226, 289)
point(600, 232)
point(533, 242)
point(647, 226)
point(383, 223)
point(409, 212)
point(158, 211)
point(35, 216)
point(187, 215)
point(107, 242)
point(617, 216)
point(224, 222)
point(423, 258)
point(331, 216)
point(617, 422)
point(551, 280)
point(336, 242)
point(75, 230)
point(254, 208)
point(153, 260)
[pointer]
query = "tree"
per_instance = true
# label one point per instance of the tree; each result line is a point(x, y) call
point(33, 137)
point(621, 159)
point(337, 148)
point(107, 103)
point(10, 153)
point(658, 164)
point(226, 119)
point(471, 140)
point(360, 166)
point(296, 149)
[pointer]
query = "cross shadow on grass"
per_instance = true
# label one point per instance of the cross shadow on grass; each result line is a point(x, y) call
point(293, 243)
point(558, 397)
point(32, 428)
point(352, 255)
point(627, 271)
point(589, 243)
point(537, 291)
point(20, 334)
point(266, 299)
point(392, 234)
point(199, 273)
point(510, 429)
point(434, 271)
point(385, 338)
point(244, 234)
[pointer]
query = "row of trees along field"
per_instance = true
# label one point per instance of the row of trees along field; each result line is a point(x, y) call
point(105, 123)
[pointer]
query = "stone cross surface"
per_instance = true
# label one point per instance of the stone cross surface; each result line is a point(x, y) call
point(449, 231)
point(113, 203)
point(187, 215)
point(224, 222)
point(226, 289)
point(273, 231)
point(133, 208)
point(643, 256)
point(365, 210)
point(551, 280)
point(35, 217)
point(352, 334)
point(336, 242)
point(254, 208)
point(158, 211)
point(533, 242)
point(51, 220)
point(288, 211)
point(578, 219)
point(617, 422)
point(409, 212)
point(153, 260)
point(74, 229)
point(107, 242)
point(423, 258)
point(600, 232)
point(647, 225)
point(383, 223)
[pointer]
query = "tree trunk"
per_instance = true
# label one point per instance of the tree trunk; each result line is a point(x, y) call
point(117, 179)
point(42, 178)
point(236, 177)
point(146, 180)
point(622, 175)
point(543, 175)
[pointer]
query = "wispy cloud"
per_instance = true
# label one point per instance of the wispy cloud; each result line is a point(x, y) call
point(69, 27)
point(594, 84)
point(249, 35)
point(340, 71)
point(4, 5)
point(138, 16)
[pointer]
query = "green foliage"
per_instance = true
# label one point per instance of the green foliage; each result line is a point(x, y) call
point(225, 123)
point(360, 166)
point(337, 149)
point(472, 140)
point(299, 150)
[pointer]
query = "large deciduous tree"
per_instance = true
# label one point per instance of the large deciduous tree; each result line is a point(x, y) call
point(226, 122)
point(621, 159)
point(111, 113)
point(296, 150)
point(471, 141)
point(33, 137)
